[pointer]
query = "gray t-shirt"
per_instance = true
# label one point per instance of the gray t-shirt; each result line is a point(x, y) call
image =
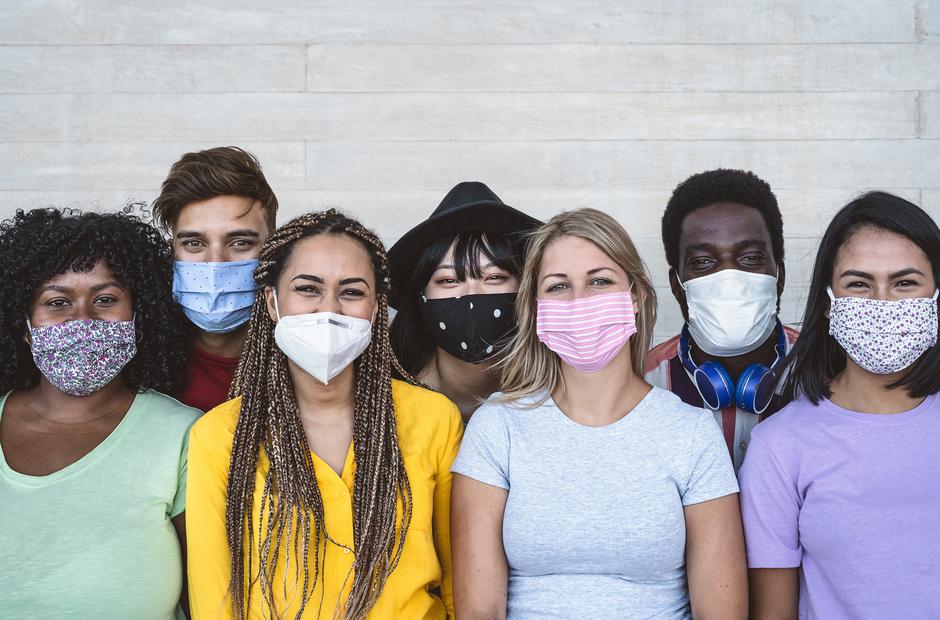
point(594, 524)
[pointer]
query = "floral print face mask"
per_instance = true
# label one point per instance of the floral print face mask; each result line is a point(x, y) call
point(81, 357)
point(883, 336)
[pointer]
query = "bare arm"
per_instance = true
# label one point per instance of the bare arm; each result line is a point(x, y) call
point(715, 559)
point(481, 574)
point(775, 593)
point(179, 522)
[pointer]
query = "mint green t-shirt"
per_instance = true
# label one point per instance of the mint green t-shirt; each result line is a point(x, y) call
point(94, 540)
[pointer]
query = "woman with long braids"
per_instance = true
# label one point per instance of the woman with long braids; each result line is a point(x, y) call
point(322, 489)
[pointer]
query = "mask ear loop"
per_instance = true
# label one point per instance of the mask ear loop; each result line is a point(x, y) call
point(277, 311)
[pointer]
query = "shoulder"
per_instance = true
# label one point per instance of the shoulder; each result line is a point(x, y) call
point(786, 425)
point(218, 423)
point(660, 354)
point(669, 410)
point(425, 418)
point(500, 415)
point(792, 333)
point(165, 412)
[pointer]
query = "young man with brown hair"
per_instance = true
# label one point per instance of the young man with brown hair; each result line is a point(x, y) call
point(218, 209)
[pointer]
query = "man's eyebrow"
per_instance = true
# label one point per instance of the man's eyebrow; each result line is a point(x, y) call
point(247, 232)
point(188, 234)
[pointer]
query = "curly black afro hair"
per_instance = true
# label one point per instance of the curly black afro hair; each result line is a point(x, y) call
point(721, 185)
point(36, 246)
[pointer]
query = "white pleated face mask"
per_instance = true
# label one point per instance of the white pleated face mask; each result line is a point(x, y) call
point(731, 312)
point(322, 343)
point(883, 336)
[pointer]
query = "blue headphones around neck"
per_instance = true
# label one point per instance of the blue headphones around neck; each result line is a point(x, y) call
point(755, 386)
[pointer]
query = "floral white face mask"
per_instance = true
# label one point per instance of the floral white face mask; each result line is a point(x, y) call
point(883, 336)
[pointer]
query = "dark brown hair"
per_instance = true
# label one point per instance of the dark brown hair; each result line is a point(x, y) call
point(220, 171)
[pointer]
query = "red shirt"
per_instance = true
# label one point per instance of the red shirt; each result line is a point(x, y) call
point(209, 379)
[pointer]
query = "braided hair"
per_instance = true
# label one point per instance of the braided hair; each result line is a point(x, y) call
point(290, 517)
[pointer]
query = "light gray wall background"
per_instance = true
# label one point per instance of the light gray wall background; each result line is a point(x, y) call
point(380, 106)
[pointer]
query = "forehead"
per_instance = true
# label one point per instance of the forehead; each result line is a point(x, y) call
point(330, 256)
point(876, 250)
point(221, 214)
point(478, 257)
point(572, 255)
point(101, 272)
point(723, 223)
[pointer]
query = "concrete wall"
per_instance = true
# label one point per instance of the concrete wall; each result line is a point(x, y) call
point(379, 106)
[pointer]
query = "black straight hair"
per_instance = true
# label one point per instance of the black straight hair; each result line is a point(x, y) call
point(411, 340)
point(816, 357)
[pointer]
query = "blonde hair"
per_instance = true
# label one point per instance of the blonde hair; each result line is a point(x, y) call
point(530, 366)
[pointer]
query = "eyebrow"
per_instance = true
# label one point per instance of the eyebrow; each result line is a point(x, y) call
point(343, 282)
point(710, 247)
point(893, 276)
point(67, 289)
point(590, 272)
point(305, 276)
point(243, 232)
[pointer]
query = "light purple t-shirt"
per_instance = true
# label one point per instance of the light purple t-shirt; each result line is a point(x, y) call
point(854, 500)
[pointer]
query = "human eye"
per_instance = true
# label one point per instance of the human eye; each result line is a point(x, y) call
point(556, 287)
point(58, 302)
point(354, 293)
point(601, 282)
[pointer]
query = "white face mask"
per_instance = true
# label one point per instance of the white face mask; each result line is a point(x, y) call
point(322, 343)
point(731, 312)
point(880, 335)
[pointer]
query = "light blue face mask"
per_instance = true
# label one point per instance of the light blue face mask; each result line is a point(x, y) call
point(216, 297)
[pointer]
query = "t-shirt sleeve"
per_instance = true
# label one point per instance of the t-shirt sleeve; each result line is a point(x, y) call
point(484, 452)
point(179, 501)
point(711, 474)
point(770, 508)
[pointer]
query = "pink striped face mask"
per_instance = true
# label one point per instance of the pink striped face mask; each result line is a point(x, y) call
point(586, 333)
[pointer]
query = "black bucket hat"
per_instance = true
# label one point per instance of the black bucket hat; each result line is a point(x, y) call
point(469, 207)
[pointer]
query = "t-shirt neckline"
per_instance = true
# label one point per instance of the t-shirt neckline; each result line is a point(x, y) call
point(215, 359)
point(613, 426)
point(928, 403)
point(96, 454)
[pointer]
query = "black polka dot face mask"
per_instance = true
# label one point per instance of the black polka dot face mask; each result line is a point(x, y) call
point(473, 327)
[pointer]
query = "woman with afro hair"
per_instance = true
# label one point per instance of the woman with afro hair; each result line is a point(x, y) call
point(93, 454)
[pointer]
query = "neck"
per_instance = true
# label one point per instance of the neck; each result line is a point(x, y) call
point(466, 384)
point(765, 354)
point(56, 406)
point(857, 389)
point(316, 400)
point(603, 397)
point(222, 345)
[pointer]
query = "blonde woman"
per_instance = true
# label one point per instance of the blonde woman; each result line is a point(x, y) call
point(581, 491)
point(323, 490)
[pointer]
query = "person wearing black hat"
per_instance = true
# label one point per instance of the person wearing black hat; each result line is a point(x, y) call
point(454, 282)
